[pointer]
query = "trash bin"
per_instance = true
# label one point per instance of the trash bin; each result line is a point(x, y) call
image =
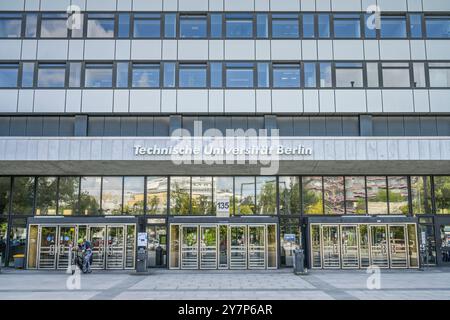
point(299, 261)
point(19, 261)
point(159, 256)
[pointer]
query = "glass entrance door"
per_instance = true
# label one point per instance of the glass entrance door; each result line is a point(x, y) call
point(379, 246)
point(97, 238)
point(256, 247)
point(47, 248)
point(331, 250)
point(223, 246)
point(189, 247)
point(115, 248)
point(349, 244)
point(238, 247)
point(65, 239)
point(397, 246)
point(208, 247)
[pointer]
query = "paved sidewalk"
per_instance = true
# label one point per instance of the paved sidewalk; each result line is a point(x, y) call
point(229, 285)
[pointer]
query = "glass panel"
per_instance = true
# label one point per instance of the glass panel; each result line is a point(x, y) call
point(427, 248)
point(419, 75)
point(355, 195)
point(180, 197)
point(289, 240)
point(75, 75)
point(376, 195)
point(308, 26)
point(47, 248)
point(324, 25)
point(54, 26)
point(27, 74)
point(124, 25)
point(189, 247)
point(98, 76)
point(130, 246)
point(32, 245)
point(193, 26)
point(334, 195)
point(5, 191)
point(202, 195)
point(364, 246)
point(122, 74)
point(397, 243)
point(157, 245)
point(66, 238)
point(216, 74)
point(9, 75)
point(349, 75)
point(169, 75)
point(156, 195)
point(223, 246)
point(393, 27)
point(90, 195)
point(133, 195)
point(115, 248)
point(112, 195)
point(239, 75)
point(442, 194)
point(147, 25)
point(439, 75)
point(312, 195)
point(438, 26)
point(266, 195)
point(349, 243)
point(379, 249)
point(174, 246)
point(22, 195)
point(256, 247)
point(347, 26)
point(263, 75)
point(100, 26)
point(415, 21)
point(238, 247)
point(445, 243)
point(372, 75)
point(421, 194)
point(325, 75)
point(145, 75)
point(398, 195)
point(285, 26)
point(289, 193)
point(262, 26)
point(316, 248)
point(208, 247)
point(10, 25)
point(245, 195)
point(331, 247)
point(395, 76)
point(310, 75)
point(239, 25)
point(412, 246)
point(97, 238)
point(46, 196)
point(216, 26)
point(51, 76)
point(192, 76)
point(223, 196)
point(286, 76)
point(68, 195)
point(170, 25)
point(370, 30)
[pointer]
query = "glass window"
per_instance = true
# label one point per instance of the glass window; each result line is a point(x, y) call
point(263, 75)
point(22, 195)
point(98, 75)
point(438, 26)
point(355, 195)
point(239, 75)
point(308, 26)
point(285, 26)
point(373, 78)
point(312, 195)
point(415, 22)
point(180, 195)
point(266, 195)
point(262, 26)
point(192, 76)
point(286, 76)
point(5, 186)
point(90, 195)
point(193, 26)
point(393, 27)
point(325, 75)
point(112, 195)
point(421, 194)
point(439, 75)
point(347, 26)
point(68, 195)
point(324, 26)
point(31, 25)
point(239, 25)
point(419, 75)
point(76, 24)
point(46, 196)
point(51, 75)
point(9, 75)
point(333, 195)
point(122, 74)
point(27, 74)
point(442, 194)
point(146, 75)
point(289, 190)
point(370, 26)
point(396, 75)
point(75, 74)
point(147, 25)
point(223, 195)
point(244, 188)
point(216, 74)
point(398, 195)
point(10, 25)
point(17, 238)
point(202, 193)
point(124, 25)
point(100, 25)
point(349, 75)
point(310, 75)
point(170, 25)
point(376, 195)
point(169, 75)
point(133, 195)
point(156, 195)
point(54, 25)
point(216, 25)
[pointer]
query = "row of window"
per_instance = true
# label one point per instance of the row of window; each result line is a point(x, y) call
point(240, 195)
point(226, 75)
point(228, 25)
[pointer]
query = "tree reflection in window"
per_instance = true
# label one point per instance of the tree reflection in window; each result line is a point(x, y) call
point(289, 190)
point(334, 195)
point(201, 195)
point(245, 195)
point(180, 198)
point(5, 185)
point(46, 196)
point(90, 195)
point(355, 195)
point(23, 195)
point(312, 194)
point(68, 195)
point(421, 194)
point(398, 195)
point(156, 195)
point(133, 195)
point(442, 194)
point(377, 195)
point(266, 195)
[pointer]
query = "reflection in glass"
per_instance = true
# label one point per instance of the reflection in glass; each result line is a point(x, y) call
point(3, 235)
point(376, 195)
point(180, 196)
point(146, 75)
point(439, 75)
point(174, 246)
point(223, 194)
point(5, 186)
point(90, 195)
point(347, 26)
point(286, 76)
point(285, 26)
point(393, 27)
point(325, 75)
point(355, 195)
point(157, 245)
point(289, 193)
point(68, 195)
point(245, 195)
point(316, 247)
point(193, 26)
point(412, 246)
point(442, 194)
point(421, 194)
point(156, 195)
point(239, 75)
point(398, 195)
point(308, 26)
point(312, 195)
point(334, 195)
point(239, 25)
point(17, 238)
point(75, 75)
point(438, 26)
point(22, 195)
point(98, 75)
point(289, 240)
point(147, 25)
point(54, 25)
point(9, 74)
point(51, 76)
point(266, 195)
point(396, 75)
point(349, 75)
point(46, 196)
point(133, 195)
point(202, 195)
point(100, 26)
point(445, 243)
point(27, 74)
point(112, 196)
point(192, 75)
point(10, 25)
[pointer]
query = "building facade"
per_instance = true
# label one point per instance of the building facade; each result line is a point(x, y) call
point(230, 132)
